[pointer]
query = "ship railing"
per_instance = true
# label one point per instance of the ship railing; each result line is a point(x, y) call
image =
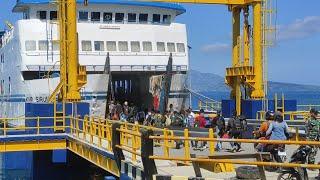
point(147, 67)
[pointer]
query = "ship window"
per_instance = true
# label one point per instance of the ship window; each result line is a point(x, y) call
point(107, 17)
point(111, 46)
point(83, 16)
point(143, 18)
point(123, 46)
point(156, 18)
point(55, 45)
point(135, 46)
point(171, 47)
point(30, 45)
point(86, 45)
point(95, 16)
point(42, 15)
point(181, 47)
point(119, 17)
point(43, 45)
point(160, 47)
point(166, 19)
point(147, 46)
point(98, 46)
point(132, 17)
point(53, 15)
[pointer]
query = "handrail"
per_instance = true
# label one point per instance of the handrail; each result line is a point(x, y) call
point(97, 131)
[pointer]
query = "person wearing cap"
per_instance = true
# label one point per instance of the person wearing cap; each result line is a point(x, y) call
point(278, 130)
point(313, 130)
point(261, 133)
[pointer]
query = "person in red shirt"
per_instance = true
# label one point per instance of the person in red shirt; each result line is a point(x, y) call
point(200, 121)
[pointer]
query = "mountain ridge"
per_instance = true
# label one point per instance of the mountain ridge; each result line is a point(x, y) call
point(208, 82)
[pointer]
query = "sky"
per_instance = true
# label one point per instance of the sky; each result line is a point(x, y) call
point(294, 57)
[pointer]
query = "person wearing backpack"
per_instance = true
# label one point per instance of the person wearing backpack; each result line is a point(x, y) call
point(236, 126)
point(220, 125)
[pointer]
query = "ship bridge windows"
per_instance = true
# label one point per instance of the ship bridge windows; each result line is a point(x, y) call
point(181, 47)
point(161, 47)
point(95, 16)
point(43, 45)
point(119, 17)
point(86, 45)
point(123, 46)
point(147, 46)
point(171, 47)
point(53, 15)
point(143, 18)
point(99, 46)
point(111, 46)
point(30, 45)
point(42, 15)
point(83, 16)
point(156, 18)
point(166, 19)
point(132, 17)
point(135, 46)
point(107, 17)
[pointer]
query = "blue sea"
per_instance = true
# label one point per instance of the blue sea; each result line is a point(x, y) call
point(303, 98)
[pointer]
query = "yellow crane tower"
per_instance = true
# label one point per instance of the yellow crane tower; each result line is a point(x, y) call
point(247, 68)
point(72, 75)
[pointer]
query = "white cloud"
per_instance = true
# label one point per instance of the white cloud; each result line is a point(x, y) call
point(216, 47)
point(301, 28)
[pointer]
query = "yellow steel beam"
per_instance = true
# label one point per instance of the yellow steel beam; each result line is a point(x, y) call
point(73, 92)
point(94, 157)
point(236, 84)
point(246, 37)
point(32, 145)
point(222, 2)
point(258, 91)
point(240, 71)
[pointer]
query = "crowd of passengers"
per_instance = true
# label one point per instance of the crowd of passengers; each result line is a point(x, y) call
point(274, 128)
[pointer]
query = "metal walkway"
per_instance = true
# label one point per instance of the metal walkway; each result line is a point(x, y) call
point(125, 149)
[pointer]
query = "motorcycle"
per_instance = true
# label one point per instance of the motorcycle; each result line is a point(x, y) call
point(299, 157)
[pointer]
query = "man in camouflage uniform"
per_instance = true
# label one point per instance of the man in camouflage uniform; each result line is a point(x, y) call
point(313, 130)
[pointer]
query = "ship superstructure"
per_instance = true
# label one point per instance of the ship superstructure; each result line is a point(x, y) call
point(137, 37)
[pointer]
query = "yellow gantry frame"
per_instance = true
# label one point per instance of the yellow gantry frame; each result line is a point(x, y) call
point(72, 75)
point(236, 76)
point(242, 71)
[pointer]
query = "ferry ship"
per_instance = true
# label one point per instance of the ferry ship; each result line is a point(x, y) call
point(137, 38)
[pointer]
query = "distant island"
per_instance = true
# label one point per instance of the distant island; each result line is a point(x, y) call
point(209, 82)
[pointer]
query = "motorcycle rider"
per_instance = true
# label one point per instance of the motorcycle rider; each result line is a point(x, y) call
point(278, 130)
point(261, 133)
